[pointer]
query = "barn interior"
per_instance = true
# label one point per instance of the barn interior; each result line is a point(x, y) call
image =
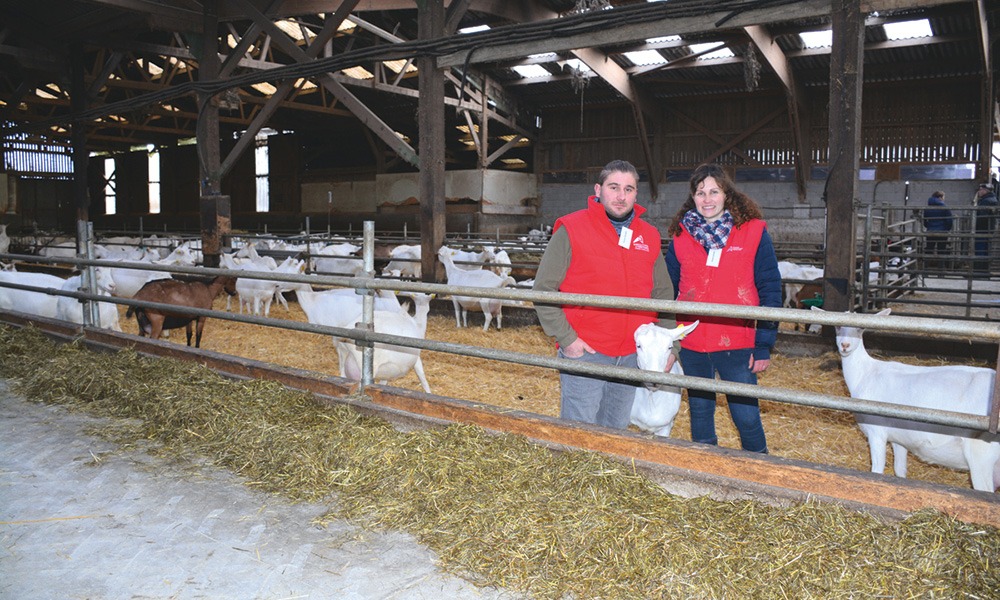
point(484, 117)
point(474, 121)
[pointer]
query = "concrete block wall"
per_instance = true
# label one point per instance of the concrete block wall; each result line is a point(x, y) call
point(788, 219)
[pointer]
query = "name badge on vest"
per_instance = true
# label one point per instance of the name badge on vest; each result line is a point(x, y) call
point(625, 238)
point(714, 255)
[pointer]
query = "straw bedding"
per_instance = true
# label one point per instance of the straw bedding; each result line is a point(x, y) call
point(822, 436)
point(499, 510)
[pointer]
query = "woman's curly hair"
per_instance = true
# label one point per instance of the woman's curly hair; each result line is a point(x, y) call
point(741, 206)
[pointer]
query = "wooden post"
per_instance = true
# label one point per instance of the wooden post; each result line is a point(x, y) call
point(215, 208)
point(81, 158)
point(430, 118)
point(841, 195)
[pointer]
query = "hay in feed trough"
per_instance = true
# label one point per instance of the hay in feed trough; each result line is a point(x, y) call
point(502, 511)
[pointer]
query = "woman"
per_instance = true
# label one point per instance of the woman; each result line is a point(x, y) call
point(720, 252)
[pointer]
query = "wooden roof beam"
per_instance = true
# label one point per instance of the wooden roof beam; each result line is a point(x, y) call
point(797, 115)
point(608, 70)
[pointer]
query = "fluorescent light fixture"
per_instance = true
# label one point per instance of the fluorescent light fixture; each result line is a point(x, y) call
point(817, 39)
point(531, 71)
point(908, 29)
point(475, 29)
point(723, 52)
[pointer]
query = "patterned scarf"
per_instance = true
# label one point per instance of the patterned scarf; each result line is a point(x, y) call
point(709, 235)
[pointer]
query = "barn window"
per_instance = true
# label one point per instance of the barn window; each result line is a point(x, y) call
point(110, 198)
point(261, 172)
point(154, 180)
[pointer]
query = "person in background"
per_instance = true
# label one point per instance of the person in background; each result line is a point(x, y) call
point(607, 249)
point(938, 221)
point(720, 252)
point(985, 226)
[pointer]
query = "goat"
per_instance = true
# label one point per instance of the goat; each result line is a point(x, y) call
point(405, 259)
point(790, 270)
point(655, 406)
point(390, 362)
point(338, 259)
point(341, 307)
point(33, 303)
point(490, 307)
point(259, 293)
point(956, 388)
point(194, 294)
point(501, 264)
point(70, 309)
point(488, 255)
point(42, 304)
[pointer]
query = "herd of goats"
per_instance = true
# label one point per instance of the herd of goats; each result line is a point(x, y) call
point(957, 388)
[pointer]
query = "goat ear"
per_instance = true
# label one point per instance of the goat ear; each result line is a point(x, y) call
point(817, 308)
point(884, 312)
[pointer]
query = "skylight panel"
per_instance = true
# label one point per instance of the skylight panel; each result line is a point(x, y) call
point(397, 65)
point(531, 71)
point(817, 39)
point(643, 58)
point(908, 29)
point(291, 28)
point(358, 73)
point(474, 29)
point(723, 52)
point(666, 38)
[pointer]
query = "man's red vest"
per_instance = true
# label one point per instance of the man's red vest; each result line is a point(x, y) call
point(598, 265)
point(732, 282)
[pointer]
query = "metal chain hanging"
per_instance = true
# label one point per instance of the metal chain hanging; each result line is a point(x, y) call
point(751, 68)
point(579, 81)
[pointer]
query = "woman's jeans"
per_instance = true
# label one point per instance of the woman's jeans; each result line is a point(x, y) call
point(731, 366)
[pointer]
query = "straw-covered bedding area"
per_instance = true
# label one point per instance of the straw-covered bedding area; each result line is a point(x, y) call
point(499, 510)
point(821, 436)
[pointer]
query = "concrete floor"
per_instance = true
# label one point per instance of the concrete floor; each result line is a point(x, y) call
point(80, 519)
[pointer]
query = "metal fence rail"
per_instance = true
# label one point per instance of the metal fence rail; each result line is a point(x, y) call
point(366, 337)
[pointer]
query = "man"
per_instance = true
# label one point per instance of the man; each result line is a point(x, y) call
point(986, 225)
point(604, 249)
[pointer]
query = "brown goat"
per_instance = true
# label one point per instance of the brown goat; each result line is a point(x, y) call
point(194, 294)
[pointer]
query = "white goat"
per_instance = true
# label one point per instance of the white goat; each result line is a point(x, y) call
point(790, 270)
point(257, 294)
point(490, 307)
point(404, 258)
point(48, 305)
point(341, 307)
point(24, 301)
point(955, 388)
point(502, 267)
point(338, 259)
point(71, 309)
point(655, 406)
point(290, 265)
point(487, 255)
point(390, 362)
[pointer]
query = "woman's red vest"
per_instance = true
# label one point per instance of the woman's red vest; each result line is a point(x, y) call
point(732, 282)
point(598, 265)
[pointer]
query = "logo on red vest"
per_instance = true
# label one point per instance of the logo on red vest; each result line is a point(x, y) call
point(638, 244)
point(734, 249)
